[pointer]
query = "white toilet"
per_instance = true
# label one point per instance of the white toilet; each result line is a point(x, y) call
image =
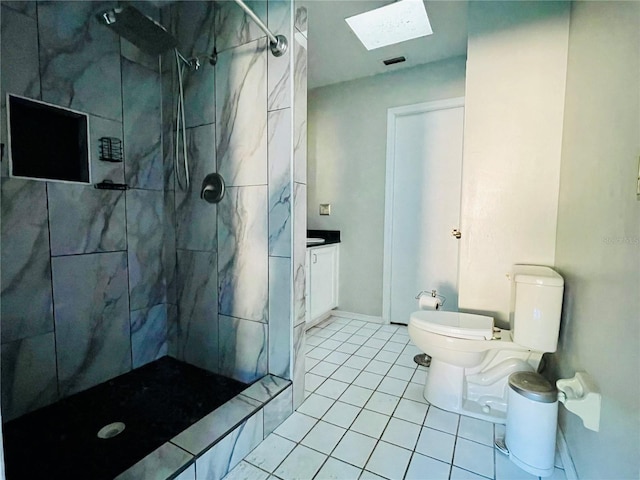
point(471, 360)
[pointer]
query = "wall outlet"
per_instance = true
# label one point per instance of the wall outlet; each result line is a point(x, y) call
point(325, 209)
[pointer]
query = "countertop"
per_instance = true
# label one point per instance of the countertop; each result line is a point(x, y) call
point(329, 236)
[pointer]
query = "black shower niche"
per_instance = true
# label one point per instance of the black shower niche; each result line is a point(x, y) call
point(47, 142)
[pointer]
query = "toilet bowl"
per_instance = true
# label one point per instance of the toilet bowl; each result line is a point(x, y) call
point(471, 359)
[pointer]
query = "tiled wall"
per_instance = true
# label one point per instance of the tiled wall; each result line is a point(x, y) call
point(95, 283)
point(236, 254)
point(84, 287)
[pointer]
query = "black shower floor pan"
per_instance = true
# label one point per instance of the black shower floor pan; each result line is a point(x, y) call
point(155, 402)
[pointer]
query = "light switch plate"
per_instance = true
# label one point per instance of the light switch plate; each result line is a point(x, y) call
point(325, 209)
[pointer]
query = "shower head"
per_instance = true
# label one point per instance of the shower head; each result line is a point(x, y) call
point(144, 32)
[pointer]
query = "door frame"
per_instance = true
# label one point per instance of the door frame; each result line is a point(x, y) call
point(392, 115)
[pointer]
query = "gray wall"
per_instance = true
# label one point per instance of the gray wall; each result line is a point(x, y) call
point(598, 241)
point(347, 162)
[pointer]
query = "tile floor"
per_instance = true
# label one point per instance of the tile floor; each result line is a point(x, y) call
point(364, 417)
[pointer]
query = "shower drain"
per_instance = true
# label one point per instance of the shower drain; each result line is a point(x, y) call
point(111, 430)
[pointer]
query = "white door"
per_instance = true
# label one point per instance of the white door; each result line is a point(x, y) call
point(424, 170)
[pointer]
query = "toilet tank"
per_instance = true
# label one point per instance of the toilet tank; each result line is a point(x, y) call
point(536, 305)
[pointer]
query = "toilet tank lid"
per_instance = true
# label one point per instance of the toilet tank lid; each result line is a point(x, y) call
point(454, 324)
point(537, 275)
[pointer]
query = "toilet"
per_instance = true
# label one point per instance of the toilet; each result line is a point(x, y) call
point(471, 359)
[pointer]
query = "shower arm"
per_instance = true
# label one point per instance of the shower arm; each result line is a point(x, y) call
point(277, 43)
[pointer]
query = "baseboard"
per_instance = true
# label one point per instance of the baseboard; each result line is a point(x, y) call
point(357, 316)
point(567, 461)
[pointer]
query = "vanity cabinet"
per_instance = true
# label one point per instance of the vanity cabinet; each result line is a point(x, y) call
point(322, 281)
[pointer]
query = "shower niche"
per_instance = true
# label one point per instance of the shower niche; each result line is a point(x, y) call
point(47, 142)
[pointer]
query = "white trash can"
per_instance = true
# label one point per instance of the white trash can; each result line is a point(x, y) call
point(532, 421)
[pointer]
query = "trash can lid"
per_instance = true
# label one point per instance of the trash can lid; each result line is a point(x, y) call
point(533, 386)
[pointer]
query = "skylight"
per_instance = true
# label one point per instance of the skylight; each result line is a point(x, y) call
point(394, 23)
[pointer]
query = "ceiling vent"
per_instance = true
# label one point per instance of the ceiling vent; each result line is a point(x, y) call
point(394, 60)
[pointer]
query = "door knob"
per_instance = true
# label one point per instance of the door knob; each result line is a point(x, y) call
point(456, 233)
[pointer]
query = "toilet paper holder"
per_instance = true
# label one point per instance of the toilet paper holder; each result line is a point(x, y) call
point(581, 396)
point(432, 293)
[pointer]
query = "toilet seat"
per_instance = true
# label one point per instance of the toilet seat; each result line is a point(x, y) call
point(454, 324)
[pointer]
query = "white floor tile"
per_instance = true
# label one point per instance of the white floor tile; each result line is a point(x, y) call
point(366, 352)
point(436, 444)
point(375, 343)
point(323, 437)
point(386, 356)
point(330, 344)
point(426, 468)
point(507, 470)
point(371, 326)
point(347, 348)
point(411, 349)
point(366, 475)
point(368, 380)
point(324, 369)
point(356, 362)
point(358, 339)
point(376, 366)
point(349, 329)
point(330, 324)
point(398, 338)
point(402, 373)
point(476, 430)
point(388, 460)
point(356, 395)
point(382, 335)
point(393, 347)
point(332, 388)
point(337, 357)
point(314, 340)
point(415, 392)
point(301, 463)
point(340, 336)
point(309, 363)
point(312, 381)
point(420, 376)
point(382, 403)
point(270, 452)
point(370, 423)
point(341, 414)
point(389, 328)
point(354, 448)
point(334, 469)
point(360, 323)
point(246, 471)
point(460, 474)
point(405, 360)
point(345, 374)
point(323, 333)
point(473, 457)
point(318, 353)
point(411, 411)
point(392, 386)
point(402, 433)
point(296, 426)
point(315, 406)
point(441, 420)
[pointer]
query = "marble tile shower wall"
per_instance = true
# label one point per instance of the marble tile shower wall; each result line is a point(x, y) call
point(234, 260)
point(95, 283)
point(85, 285)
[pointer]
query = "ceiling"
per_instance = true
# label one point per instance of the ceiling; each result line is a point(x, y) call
point(336, 54)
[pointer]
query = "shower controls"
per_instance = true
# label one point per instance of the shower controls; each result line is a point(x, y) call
point(212, 188)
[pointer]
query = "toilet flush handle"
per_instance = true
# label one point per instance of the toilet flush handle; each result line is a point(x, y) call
point(456, 233)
